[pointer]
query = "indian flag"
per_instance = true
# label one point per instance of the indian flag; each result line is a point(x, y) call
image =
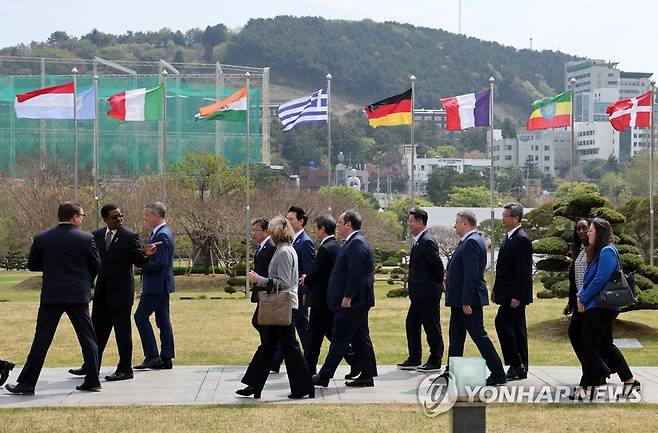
point(137, 105)
point(231, 109)
point(552, 112)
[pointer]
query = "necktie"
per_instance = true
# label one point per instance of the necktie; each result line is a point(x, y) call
point(108, 240)
point(257, 251)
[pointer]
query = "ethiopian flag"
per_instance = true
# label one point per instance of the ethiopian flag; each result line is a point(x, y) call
point(231, 109)
point(392, 111)
point(551, 112)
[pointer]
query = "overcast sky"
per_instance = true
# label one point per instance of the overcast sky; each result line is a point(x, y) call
point(607, 29)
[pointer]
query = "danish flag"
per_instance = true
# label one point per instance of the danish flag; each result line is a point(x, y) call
point(631, 112)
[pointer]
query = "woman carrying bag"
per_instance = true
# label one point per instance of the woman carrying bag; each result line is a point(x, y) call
point(283, 277)
point(596, 335)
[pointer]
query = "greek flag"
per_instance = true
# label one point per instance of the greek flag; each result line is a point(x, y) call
point(307, 110)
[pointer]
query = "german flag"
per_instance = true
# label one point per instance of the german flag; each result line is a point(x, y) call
point(392, 111)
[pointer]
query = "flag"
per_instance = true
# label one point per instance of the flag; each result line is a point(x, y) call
point(231, 109)
point(551, 112)
point(55, 103)
point(392, 111)
point(467, 111)
point(631, 112)
point(137, 105)
point(307, 110)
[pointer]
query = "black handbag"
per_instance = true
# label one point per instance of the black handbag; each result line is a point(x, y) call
point(619, 291)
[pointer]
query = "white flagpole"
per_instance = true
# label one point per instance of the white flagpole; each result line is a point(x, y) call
point(74, 72)
point(492, 81)
point(163, 154)
point(573, 130)
point(651, 181)
point(412, 188)
point(95, 152)
point(247, 208)
point(328, 140)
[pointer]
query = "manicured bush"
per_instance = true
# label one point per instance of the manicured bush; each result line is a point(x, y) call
point(397, 271)
point(390, 281)
point(648, 299)
point(554, 264)
point(391, 261)
point(552, 245)
point(624, 239)
point(545, 294)
point(651, 272)
point(631, 262)
point(237, 281)
point(561, 289)
point(628, 249)
point(642, 284)
point(611, 215)
point(397, 293)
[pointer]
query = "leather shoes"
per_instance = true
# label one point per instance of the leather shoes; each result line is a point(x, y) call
point(149, 363)
point(248, 391)
point(77, 371)
point(361, 382)
point(20, 389)
point(408, 364)
point(5, 368)
point(320, 381)
point(495, 381)
point(119, 375)
point(166, 365)
point(429, 366)
point(311, 394)
point(89, 388)
point(353, 374)
point(516, 373)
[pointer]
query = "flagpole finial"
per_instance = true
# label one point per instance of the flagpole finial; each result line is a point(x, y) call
point(652, 82)
point(329, 77)
point(247, 74)
point(164, 73)
point(95, 77)
point(74, 71)
point(412, 77)
point(492, 80)
point(572, 80)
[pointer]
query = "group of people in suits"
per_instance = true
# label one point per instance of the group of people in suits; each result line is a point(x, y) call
point(337, 283)
point(466, 294)
point(71, 261)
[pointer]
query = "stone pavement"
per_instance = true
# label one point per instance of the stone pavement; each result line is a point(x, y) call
point(197, 385)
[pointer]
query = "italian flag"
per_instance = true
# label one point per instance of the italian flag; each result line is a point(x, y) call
point(231, 109)
point(137, 105)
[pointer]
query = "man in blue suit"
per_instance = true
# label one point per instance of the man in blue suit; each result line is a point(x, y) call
point(350, 295)
point(466, 295)
point(157, 284)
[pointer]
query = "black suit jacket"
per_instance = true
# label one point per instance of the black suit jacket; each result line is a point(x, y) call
point(318, 279)
point(514, 270)
point(115, 284)
point(425, 270)
point(261, 264)
point(353, 276)
point(69, 260)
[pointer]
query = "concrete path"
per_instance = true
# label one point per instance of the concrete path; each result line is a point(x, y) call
point(196, 385)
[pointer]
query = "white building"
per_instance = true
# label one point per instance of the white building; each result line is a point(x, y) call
point(596, 140)
point(549, 149)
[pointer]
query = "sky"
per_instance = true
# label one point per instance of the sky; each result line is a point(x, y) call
point(600, 29)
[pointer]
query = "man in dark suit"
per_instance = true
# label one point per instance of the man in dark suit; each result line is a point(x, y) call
point(350, 295)
point(513, 291)
point(305, 249)
point(119, 249)
point(69, 260)
point(157, 284)
point(425, 288)
point(466, 294)
point(265, 249)
point(321, 317)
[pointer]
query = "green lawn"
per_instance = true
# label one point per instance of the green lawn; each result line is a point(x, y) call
point(218, 331)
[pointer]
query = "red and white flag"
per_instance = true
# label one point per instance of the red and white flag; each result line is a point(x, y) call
point(629, 112)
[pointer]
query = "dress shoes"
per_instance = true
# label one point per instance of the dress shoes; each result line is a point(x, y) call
point(119, 375)
point(78, 371)
point(89, 388)
point(516, 373)
point(167, 364)
point(311, 394)
point(409, 365)
point(429, 366)
point(20, 389)
point(248, 392)
point(495, 381)
point(150, 363)
point(5, 368)
point(320, 381)
point(353, 374)
point(361, 382)
point(274, 369)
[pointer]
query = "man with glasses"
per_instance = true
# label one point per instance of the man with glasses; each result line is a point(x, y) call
point(119, 249)
point(69, 260)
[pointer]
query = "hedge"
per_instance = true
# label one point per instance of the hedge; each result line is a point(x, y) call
point(237, 281)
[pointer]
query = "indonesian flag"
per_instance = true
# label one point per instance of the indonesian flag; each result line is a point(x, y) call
point(631, 112)
point(55, 103)
point(467, 111)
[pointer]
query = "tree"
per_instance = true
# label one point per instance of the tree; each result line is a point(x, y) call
point(57, 37)
point(208, 174)
point(531, 169)
point(440, 184)
point(212, 36)
point(508, 129)
point(446, 239)
point(510, 181)
point(615, 188)
point(469, 196)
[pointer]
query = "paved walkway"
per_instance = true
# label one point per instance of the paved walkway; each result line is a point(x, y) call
point(190, 385)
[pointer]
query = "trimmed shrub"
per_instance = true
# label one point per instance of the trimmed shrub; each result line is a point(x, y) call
point(239, 270)
point(230, 289)
point(631, 262)
point(545, 294)
point(554, 264)
point(397, 293)
point(237, 281)
point(611, 215)
point(390, 281)
point(397, 271)
point(624, 239)
point(561, 289)
point(648, 299)
point(651, 272)
point(552, 246)
point(391, 261)
point(642, 284)
point(628, 249)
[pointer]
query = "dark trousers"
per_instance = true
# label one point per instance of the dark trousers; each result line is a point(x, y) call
point(596, 338)
point(105, 317)
point(257, 327)
point(321, 323)
point(513, 335)
point(473, 324)
point(301, 325)
point(350, 326)
point(424, 313)
point(47, 321)
point(259, 368)
point(575, 331)
point(158, 304)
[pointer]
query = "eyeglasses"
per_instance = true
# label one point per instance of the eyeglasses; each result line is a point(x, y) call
point(81, 215)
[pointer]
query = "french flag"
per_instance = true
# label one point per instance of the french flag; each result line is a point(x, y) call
point(467, 111)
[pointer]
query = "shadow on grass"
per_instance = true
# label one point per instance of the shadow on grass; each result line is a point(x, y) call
point(558, 328)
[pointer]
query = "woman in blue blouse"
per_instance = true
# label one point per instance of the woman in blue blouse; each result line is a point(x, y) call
point(596, 334)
